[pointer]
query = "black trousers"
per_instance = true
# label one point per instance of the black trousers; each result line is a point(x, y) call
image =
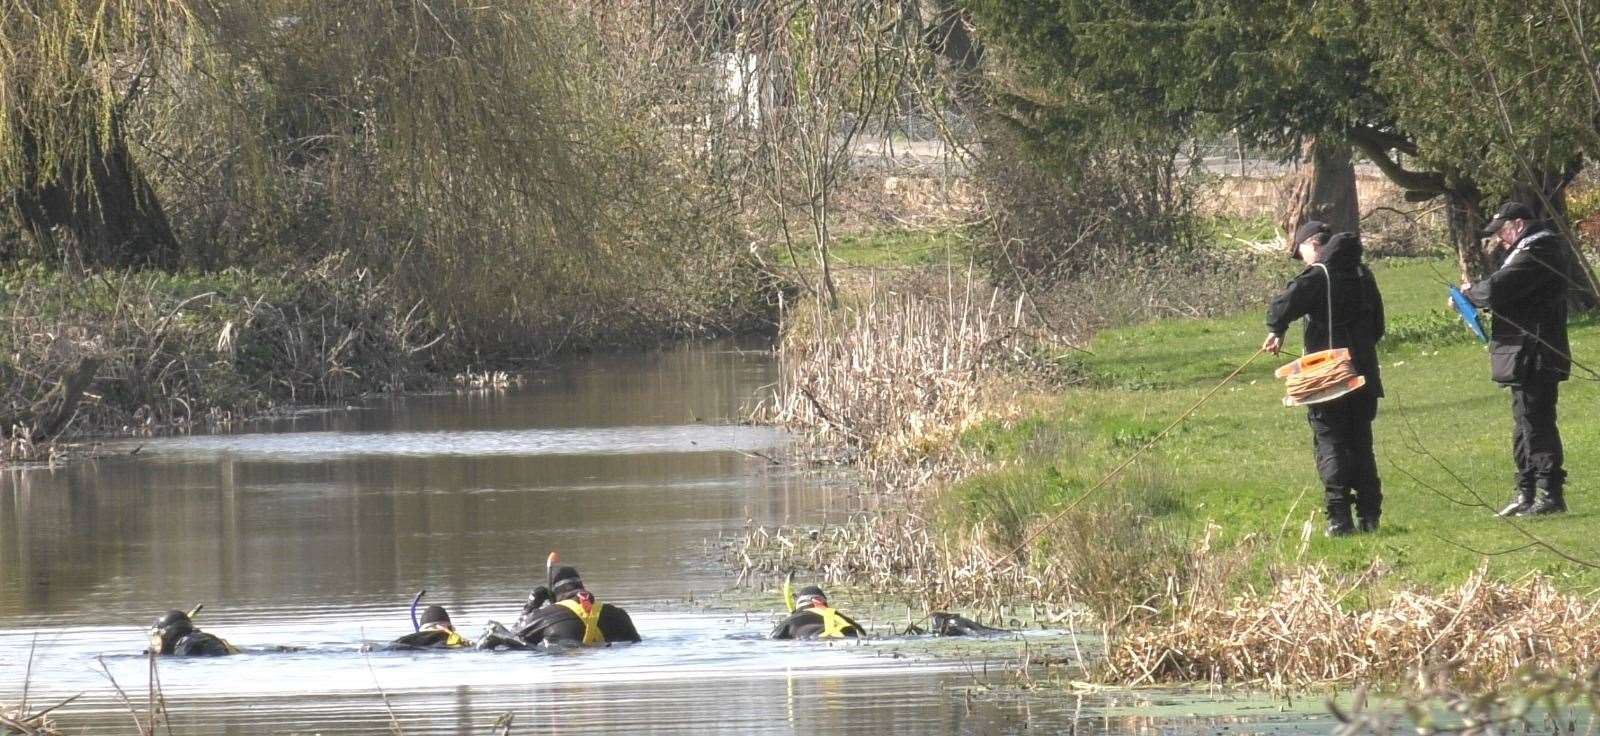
point(1341, 435)
point(1535, 440)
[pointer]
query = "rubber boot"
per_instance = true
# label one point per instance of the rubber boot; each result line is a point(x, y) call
point(1369, 506)
point(1551, 500)
point(1339, 522)
point(1521, 500)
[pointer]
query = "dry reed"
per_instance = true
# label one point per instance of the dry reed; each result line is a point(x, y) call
point(13, 720)
point(890, 380)
point(1300, 635)
point(898, 553)
point(137, 352)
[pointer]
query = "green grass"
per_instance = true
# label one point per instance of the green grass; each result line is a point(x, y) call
point(890, 248)
point(1243, 461)
point(1229, 230)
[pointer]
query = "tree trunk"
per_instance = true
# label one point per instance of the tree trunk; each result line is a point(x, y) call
point(98, 210)
point(819, 223)
point(1324, 190)
point(1464, 215)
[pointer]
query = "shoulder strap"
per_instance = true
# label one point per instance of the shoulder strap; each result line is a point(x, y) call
point(590, 619)
point(1329, 277)
point(834, 624)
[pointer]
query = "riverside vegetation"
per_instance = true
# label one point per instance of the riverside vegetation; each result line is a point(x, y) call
point(1203, 561)
point(218, 209)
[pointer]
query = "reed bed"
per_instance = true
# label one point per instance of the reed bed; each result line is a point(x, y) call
point(1300, 635)
point(891, 379)
point(899, 554)
point(1109, 562)
point(138, 352)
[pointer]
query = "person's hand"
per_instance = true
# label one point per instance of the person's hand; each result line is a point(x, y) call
point(1273, 343)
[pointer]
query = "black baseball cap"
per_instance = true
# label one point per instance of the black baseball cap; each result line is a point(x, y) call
point(1306, 230)
point(1507, 211)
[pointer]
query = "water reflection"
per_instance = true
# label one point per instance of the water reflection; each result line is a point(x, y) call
point(315, 533)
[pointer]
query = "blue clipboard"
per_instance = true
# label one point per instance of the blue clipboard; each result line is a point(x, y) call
point(1468, 312)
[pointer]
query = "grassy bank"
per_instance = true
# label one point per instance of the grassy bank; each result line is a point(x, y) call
point(1205, 559)
point(1243, 462)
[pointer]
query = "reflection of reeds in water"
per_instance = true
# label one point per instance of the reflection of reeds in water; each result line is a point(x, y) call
point(486, 379)
point(1300, 634)
point(891, 377)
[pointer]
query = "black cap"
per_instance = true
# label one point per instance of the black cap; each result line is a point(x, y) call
point(1508, 211)
point(565, 580)
point(435, 615)
point(1307, 230)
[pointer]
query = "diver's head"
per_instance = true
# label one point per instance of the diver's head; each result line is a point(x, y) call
point(172, 626)
point(565, 583)
point(436, 617)
point(809, 597)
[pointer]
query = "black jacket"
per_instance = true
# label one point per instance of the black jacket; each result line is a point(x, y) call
point(1357, 307)
point(1528, 296)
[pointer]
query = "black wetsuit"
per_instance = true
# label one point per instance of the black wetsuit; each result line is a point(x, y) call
point(430, 638)
point(951, 624)
point(1341, 429)
point(808, 624)
point(201, 644)
point(557, 624)
point(1528, 350)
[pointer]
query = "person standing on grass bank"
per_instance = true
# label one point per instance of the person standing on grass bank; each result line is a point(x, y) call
point(1528, 351)
point(1341, 429)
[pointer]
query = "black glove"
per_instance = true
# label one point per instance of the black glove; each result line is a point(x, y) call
point(536, 600)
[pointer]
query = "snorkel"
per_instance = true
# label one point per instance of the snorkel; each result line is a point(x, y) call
point(415, 624)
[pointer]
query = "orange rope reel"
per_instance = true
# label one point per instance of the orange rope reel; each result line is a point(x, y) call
point(1321, 376)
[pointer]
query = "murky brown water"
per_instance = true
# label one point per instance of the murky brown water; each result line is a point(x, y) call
point(315, 533)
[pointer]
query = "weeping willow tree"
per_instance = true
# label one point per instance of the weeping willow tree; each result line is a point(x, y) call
point(69, 70)
point(484, 158)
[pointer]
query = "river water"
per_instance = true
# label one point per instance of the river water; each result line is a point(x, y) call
point(313, 533)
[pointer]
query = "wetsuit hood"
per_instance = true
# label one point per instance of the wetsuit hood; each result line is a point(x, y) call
point(809, 596)
point(435, 615)
point(1342, 252)
point(565, 583)
point(167, 630)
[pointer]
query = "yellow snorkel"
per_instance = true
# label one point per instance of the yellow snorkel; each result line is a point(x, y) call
point(788, 591)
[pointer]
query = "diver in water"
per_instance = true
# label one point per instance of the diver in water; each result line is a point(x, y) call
point(435, 632)
point(954, 624)
point(810, 617)
point(174, 634)
point(567, 613)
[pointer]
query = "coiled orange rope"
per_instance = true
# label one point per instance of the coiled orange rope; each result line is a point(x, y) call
point(1307, 383)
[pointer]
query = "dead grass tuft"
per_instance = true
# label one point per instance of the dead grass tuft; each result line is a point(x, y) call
point(1301, 635)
